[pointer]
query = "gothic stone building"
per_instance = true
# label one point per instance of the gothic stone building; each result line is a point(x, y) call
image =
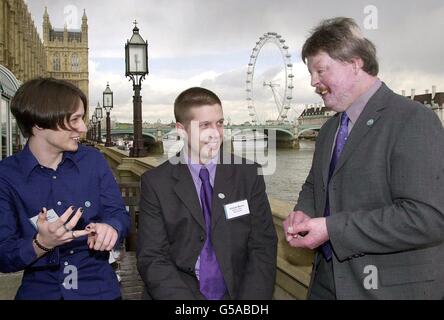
point(63, 54)
point(67, 52)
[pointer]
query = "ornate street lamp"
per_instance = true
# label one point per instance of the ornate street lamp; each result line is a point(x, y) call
point(94, 122)
point(108, 105)
point(136, 61)
point(99, 115)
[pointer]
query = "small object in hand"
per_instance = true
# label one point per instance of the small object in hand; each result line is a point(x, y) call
point(90, 229)
point(302, 234)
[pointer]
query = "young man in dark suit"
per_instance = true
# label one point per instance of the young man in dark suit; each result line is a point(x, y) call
point(205, 227)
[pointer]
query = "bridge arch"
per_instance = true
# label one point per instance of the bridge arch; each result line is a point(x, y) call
point(149, 135)
point(283, 133)
point(280, 132)
point(308, 129)
point(146, 136)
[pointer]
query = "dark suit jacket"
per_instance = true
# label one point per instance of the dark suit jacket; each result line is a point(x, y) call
point(172, 233)
point(386, 199)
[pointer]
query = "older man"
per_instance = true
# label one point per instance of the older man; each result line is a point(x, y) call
point(373, 201)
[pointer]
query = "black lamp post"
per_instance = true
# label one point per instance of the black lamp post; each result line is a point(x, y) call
point(99, 115)
point(136, 61)
point(94, 122)
point(108, 105)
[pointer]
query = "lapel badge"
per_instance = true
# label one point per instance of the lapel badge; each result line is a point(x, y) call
point(370, 122)
point(221, 196)
point(87, 204)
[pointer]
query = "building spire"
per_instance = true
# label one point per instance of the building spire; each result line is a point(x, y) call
point(46, 15)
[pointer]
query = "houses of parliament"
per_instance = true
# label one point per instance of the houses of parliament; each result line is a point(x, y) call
point(62, 54)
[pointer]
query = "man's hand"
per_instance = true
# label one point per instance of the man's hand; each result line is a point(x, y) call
point(293, 219)
point(103, 236)
point(53, 234)
point(309, 234)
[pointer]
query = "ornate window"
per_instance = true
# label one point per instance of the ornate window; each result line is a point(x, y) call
point(75, 63)
point(56, 62)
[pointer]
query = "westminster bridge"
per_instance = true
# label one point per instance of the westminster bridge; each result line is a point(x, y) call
point(286, 135)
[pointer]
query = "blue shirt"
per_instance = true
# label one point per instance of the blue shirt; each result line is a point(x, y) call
point(82, 179)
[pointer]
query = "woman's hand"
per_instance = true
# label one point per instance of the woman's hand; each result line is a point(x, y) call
point(53, 234)
point(102, 237)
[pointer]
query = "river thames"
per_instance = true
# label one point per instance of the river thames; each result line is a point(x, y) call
point(292, 167)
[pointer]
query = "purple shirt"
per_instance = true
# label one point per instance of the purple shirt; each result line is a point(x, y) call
point(356, 108)
point(195, 169)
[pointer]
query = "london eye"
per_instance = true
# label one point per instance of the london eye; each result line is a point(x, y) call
point(282, 99)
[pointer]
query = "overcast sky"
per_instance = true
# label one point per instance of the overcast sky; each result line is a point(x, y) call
point(209, 42)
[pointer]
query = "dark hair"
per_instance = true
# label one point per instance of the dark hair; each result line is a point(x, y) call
point(47, 103)
point(342, 40)
point(193, 97)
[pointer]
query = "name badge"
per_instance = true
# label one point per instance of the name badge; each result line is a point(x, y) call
point(236, 209)
point(51, 216)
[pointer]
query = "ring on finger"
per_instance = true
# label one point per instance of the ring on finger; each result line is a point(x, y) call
point(66, 228)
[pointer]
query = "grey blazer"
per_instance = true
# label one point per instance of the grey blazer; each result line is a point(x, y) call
point(171, 233)
point(386, 199)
